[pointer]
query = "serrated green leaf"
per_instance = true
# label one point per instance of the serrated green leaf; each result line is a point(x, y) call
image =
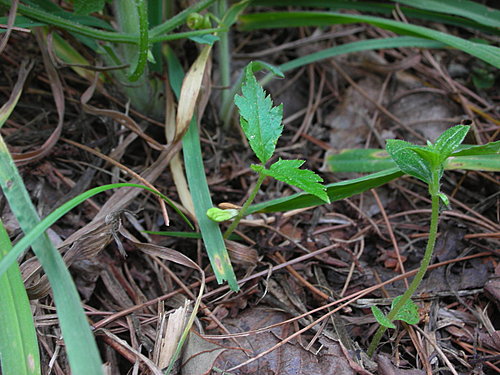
point(219, 215)
point(381, 318)
point(450, 140)
point(288, 171)
point(261, 122)
point(408, 313)
point(408, 161)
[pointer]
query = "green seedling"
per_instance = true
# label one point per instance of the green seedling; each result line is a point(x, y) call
point(427, 164)
point(262, 125)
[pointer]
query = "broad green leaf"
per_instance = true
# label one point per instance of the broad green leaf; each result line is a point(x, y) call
point(219, 215)
point(381, 318)
point(335, 191)
point(408, 313)
point(449, 140)
point(261, 122)
point(289, 171)
point(408, 161)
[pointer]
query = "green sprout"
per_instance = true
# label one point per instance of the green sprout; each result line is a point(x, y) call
point(427, 164)
point(262, 125)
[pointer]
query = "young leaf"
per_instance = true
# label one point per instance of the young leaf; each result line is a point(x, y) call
point(408, 161)
point(450, 140)
point(408, 313)
point(288, 171)
point(444, 199)
point(381, 318)
point(261, 122)
point(427, 153)
point(218, 215)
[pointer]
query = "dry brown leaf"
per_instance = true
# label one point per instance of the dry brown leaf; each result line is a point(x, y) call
point(119, 117)
point(199, 355)
point(290, 358)
point(57, 91)
point(189, 92)
point(173, 331)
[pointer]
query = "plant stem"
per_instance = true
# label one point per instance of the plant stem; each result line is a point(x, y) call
point(224, 57)
point(244, 209)
point(55, 20)
point(434, 190)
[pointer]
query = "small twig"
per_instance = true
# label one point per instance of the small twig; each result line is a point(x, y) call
point(438, 350)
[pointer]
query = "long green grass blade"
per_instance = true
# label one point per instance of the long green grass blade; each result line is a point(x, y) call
point(212, 236)
point(490, 163)
point(469, 157)
point(81, 348)
point(267, 20)
point(363, 45)
point(18, 343)
point(365, 160)
point(464, 8)
point(385, 8)
point(195, 173)
point(335, 191)
point(80, 344)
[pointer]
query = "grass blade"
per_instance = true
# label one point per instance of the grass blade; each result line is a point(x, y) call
point(469, 157)
point(364, 160)
point(489, 163)
point(382, 8)
point(464, 8)
point(18, 345)
point(195, 171)
point(335, 191)
point(212, 236)
point(81, 348)
point(268, 20)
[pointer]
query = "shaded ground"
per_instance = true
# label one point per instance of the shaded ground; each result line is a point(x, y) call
point(350, 244)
